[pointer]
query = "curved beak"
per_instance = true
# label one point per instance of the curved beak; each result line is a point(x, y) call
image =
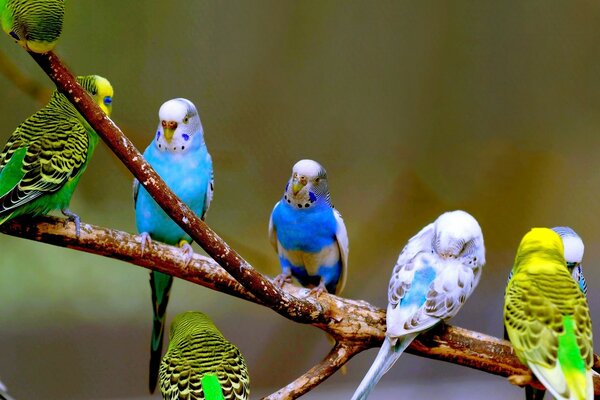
point(296, 187)
point(169, 129)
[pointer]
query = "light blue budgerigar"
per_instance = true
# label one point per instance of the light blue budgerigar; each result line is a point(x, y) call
point(435, 273)
point(179, 155)
point(574, 248)
point(308, 233)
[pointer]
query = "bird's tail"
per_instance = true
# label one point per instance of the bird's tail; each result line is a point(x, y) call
point(387, 356)
point(161, 287)
point(211, 387)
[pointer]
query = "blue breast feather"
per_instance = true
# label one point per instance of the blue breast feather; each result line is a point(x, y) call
point(306, 230)
point(188, 176)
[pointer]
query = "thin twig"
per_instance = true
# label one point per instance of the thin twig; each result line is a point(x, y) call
point(337, 357)
point(355, 324)
point(261, 287)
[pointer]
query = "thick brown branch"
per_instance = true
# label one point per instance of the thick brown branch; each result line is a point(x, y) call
point(356, 324)
point(269, 294)
point(337, 357)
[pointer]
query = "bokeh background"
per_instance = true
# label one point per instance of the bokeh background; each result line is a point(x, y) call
point(414, 108)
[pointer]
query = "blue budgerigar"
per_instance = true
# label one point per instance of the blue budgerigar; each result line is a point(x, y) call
point(308, 233)
point(179, 155)
point(574, 248)
point(435, 273)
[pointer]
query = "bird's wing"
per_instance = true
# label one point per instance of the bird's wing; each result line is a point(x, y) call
point(273, 230)
point(210, 188)
point(49, 162)
point(341, 236)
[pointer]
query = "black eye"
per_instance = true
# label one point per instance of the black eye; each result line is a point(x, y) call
point(317, 180)
point(186, 120)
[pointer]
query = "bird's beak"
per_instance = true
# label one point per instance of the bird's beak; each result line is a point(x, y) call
point(296, 187)
point(169, 129)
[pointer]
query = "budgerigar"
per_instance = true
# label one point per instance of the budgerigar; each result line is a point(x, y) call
point(547, 318)
point(201, 364)
point(573, 246)
point(308, 233)
point(435, 274)
point(35, 24)
point(46, 155)
point(179, 155)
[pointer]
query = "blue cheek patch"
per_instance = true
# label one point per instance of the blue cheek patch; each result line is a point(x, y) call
point(108, 100)
point(14, 35)
point(186, 137)
point(312, 197)
point(158, 134)
point(287, 185)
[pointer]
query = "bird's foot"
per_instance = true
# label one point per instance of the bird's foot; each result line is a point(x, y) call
point(282, 278)
point(145, 240)
point(188, 251)
point(317, 291)
point(71, 216)
point(521, 380)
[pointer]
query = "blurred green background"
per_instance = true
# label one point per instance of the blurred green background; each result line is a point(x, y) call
point(414, 108)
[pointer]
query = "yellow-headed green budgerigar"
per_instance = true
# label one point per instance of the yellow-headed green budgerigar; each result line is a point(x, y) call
point(46, 155)
point(201, 364)
point(436, 272)
point(547, 318)
point(179, 155)
point(35, 24)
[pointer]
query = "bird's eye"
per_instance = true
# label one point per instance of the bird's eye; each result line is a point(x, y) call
point(317, 180)
point(14, 35)
point(186, 120)
point(108, 100)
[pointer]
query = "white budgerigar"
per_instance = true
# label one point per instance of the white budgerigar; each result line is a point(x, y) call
point(435, 274)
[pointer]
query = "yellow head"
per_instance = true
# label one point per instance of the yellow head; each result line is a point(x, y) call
point(539, 247)
point(100, 89)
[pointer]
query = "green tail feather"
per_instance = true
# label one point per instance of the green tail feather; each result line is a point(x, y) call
point(161, 287)
point(212, 388)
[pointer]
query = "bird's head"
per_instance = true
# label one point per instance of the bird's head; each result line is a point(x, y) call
point(458, 236)
point(178, 126)
point(573, 246)
point(100, 89)
point(307, 185)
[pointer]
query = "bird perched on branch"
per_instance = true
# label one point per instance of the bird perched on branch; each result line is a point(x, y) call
point(35, 25)
point(435, 273)
point(201, 364)
point(573, 247)
point(547, 318)
point(308, 233)
point(46, 155)
point(179, 155)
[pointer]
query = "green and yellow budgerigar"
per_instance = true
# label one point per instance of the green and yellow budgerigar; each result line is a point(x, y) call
point(46, 155)
point(201, 364)
point(547, 318)
point(35, 24)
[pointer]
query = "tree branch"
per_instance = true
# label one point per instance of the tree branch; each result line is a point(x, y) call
point(355, 324)
point(304, 311)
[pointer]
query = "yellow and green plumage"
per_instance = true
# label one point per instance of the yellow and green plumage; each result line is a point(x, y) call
point(46, 155)
point(35, 24)
point(201, 364)
point(547, 318)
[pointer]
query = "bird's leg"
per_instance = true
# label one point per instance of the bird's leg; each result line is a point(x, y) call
point(188, 251)
point(75, 218)
point(284, 277)
point(145, 240)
